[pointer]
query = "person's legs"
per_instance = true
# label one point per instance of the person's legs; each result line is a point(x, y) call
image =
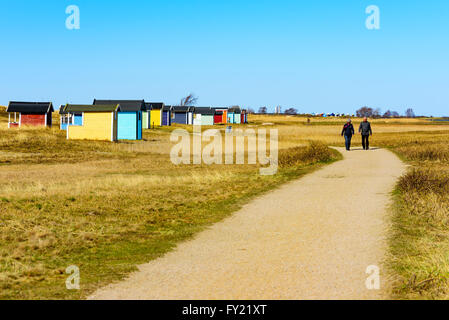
point(348, 142)
point(365, 142)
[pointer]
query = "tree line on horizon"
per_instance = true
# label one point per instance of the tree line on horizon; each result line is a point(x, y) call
point(362, 112)
point(365, 111)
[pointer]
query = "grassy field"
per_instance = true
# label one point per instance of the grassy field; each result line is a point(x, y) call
point(107, 207)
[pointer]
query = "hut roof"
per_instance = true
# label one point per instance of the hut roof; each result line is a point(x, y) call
point(235, 110)
point(73, 108)
point(30, 107)
point(181, 109)
point(125, 105)
point(204, 111)
point(61, 110)
point(156, 105)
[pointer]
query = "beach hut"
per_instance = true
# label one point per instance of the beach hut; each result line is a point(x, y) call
point(243, 117)
point(146, 116)
point(156, 114)
point(166, 116)
point(230, 115)
point(29, 114)
point(221, 116)
point(99, 122)
point(203, 116)
point(218, 117)
point(234, 115)
point(66, 119)
point(181, 115)
point(129, 121)
point(237, 115)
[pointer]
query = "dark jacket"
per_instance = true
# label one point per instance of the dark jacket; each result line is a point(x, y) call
point(365, 128)
point(348, 130)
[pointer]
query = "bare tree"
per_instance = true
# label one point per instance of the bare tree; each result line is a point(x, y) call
point(190, 100)
point(263, 110)
point(250, 110)
point(377, 113)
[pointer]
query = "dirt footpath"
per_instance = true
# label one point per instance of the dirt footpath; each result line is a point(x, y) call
point(310, 239)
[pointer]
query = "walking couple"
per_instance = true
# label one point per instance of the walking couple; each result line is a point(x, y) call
point(364, 129)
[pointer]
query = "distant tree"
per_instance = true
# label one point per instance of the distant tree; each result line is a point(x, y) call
point(291, 111)
point(263, 110)
point(376, 113)
point(365, 112)
point(409, 113)
point(250, 110)
point(190, 100)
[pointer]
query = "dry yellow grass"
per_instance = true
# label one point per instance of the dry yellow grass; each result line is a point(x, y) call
point(109, 206)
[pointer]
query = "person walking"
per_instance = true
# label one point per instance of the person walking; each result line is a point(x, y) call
point(348, 132)
point(365, 130)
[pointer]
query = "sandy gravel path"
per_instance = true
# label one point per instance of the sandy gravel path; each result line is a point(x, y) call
point(310, 239)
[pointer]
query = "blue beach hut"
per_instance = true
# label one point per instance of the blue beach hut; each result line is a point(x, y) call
point(181, 115)
point(129, 117)
point(166, 116)
point(69, 119)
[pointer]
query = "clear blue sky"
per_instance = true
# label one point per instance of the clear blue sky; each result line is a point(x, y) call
point(316, 56)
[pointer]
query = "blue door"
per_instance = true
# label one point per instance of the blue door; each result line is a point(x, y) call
point(166, 118)
point(180, 118)
point(127, 127)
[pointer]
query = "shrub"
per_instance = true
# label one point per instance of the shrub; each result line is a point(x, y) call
point(314, 152)
point(425, 180)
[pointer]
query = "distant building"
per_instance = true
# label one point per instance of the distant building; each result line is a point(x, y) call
point(278, 110)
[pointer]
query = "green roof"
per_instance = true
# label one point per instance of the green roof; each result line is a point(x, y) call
point(90, 108)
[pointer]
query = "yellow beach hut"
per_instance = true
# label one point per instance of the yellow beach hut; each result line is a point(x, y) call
point(99, 122)
point(156, 114)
